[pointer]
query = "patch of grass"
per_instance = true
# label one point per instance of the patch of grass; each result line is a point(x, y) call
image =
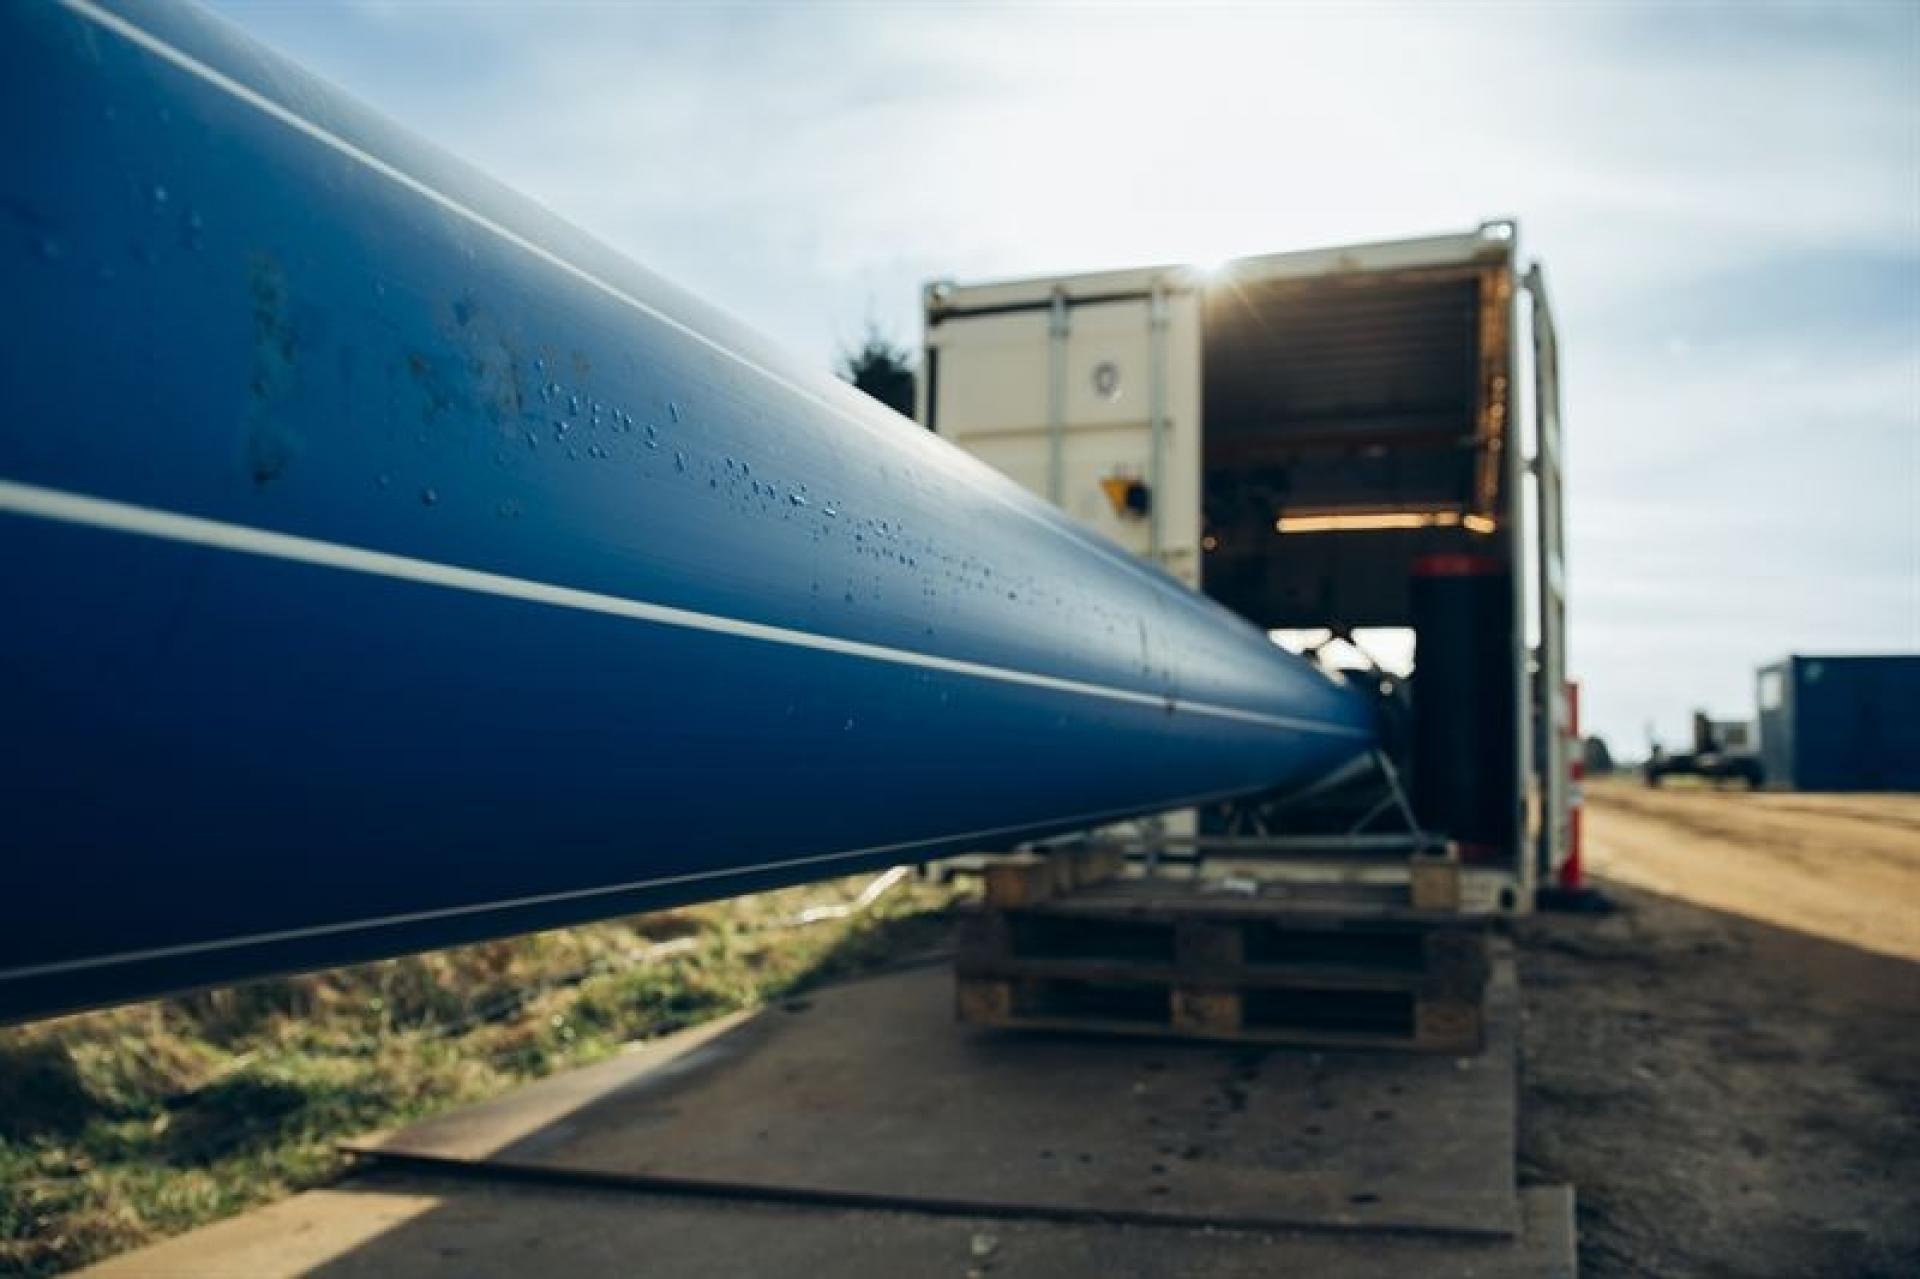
point(120, 1127)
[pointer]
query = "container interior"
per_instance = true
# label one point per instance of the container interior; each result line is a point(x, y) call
point(1355, 427)
point(1352, 423)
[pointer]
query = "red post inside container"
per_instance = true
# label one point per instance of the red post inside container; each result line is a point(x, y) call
point(1573, 874)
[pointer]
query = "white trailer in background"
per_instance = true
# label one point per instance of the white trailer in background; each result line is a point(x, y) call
point(1293, 434)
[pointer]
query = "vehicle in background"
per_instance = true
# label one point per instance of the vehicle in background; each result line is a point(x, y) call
point(1724, 750)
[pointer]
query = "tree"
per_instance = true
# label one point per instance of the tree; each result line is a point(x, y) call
point(882, 369)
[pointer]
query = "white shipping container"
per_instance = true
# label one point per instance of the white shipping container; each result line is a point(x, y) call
point(1293, 434)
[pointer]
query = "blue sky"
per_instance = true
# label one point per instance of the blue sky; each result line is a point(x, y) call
point(1727, 201)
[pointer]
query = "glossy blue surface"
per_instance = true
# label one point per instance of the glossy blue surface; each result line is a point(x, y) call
point(384, 563)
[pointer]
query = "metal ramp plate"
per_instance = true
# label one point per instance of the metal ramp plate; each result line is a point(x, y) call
point(407, 1226)
point(868, 1095)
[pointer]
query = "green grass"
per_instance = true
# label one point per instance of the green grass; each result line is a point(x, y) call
point(124, 1126)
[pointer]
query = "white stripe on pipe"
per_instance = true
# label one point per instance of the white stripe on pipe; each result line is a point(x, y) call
point(124, 517)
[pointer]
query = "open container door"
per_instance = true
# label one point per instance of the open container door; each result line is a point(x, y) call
point(1549, 590)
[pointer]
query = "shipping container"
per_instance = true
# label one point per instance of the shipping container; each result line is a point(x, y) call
point(1847, 723)
point(1330, 441)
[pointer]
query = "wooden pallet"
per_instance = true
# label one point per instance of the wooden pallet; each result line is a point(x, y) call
point(1433, 883)
point(1187, 959)
point(1027, 879)
point(1300, 1017)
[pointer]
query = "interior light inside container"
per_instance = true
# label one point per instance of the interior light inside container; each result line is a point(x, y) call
point(1376, 521)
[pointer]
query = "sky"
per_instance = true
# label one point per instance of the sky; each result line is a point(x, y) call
point(1726, 200)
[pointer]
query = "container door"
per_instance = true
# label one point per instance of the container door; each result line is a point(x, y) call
point(1092, 403)
point(1550, 590)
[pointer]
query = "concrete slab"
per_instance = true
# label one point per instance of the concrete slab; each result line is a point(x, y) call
point(868, 1095)
point(396, 1226)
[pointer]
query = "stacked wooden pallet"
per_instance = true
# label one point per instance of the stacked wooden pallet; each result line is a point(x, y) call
point(1063, 943)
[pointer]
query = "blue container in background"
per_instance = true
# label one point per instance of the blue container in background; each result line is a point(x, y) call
point(1842, 723)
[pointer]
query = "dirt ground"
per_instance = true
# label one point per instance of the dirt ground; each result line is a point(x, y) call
point(1728, 1066)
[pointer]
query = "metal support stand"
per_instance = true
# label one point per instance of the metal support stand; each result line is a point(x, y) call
point(1395, 792)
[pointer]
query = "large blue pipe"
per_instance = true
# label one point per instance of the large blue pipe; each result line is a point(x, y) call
point(384, 563)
